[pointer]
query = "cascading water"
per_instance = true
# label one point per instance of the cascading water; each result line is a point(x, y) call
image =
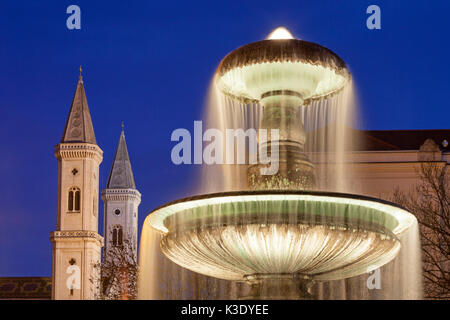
point(323, 145)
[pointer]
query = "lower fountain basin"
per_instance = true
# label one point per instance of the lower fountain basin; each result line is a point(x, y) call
point(312, 235)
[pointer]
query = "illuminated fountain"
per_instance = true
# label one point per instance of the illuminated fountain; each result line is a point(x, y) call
point(281, 235)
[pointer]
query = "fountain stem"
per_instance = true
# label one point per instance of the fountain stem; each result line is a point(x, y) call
point(296, 172)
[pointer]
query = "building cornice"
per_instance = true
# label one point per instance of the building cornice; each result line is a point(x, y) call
point(76, 151)
point(71, 234)
point(121, 195)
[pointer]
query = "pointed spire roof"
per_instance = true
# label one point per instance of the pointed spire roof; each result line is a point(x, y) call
point(79, 124)
point(121, 175)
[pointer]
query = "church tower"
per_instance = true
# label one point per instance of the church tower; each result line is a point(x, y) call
point(121, 200)
point(76, 242)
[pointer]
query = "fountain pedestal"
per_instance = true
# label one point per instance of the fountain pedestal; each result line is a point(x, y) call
point(278, 287)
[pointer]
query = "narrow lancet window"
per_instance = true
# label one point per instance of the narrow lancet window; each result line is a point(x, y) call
point(77, 200)
point(120, 237)
point(70, 204)
point(74, 200)
point(114, 237)
point(117, 236)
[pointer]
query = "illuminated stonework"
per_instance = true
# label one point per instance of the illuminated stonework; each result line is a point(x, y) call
point(76, 235)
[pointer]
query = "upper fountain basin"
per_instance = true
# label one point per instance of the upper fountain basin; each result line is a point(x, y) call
point(281, 67)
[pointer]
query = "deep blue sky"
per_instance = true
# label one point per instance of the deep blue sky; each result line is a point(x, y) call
point(149, 64)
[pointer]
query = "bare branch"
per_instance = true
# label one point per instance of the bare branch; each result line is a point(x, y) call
point(118, 273)
point(430, 202)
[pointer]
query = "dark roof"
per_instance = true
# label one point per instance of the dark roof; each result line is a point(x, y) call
point(26, 288)
point(377, 140)
point(121, 175)
point(79, 124)
point(374, 140)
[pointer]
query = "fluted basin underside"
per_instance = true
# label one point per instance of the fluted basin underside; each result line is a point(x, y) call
point(321, 236)
point(316, 252)
point(288, 67)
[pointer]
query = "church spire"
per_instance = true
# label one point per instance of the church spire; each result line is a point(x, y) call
point(76, 244)
point(79, 126)
point(121, 176)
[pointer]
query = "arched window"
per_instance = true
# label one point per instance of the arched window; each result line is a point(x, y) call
point(117, 236)
point(120, 237)
point(74, 199)
point(77, 200)
point(70, 200)
point(114, 238)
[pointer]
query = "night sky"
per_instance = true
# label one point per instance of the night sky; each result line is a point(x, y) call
point(149, 65)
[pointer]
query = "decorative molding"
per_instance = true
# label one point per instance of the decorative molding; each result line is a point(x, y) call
point(26, 288)
point(76, 234)
point(78, 151)
point(121, 195)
